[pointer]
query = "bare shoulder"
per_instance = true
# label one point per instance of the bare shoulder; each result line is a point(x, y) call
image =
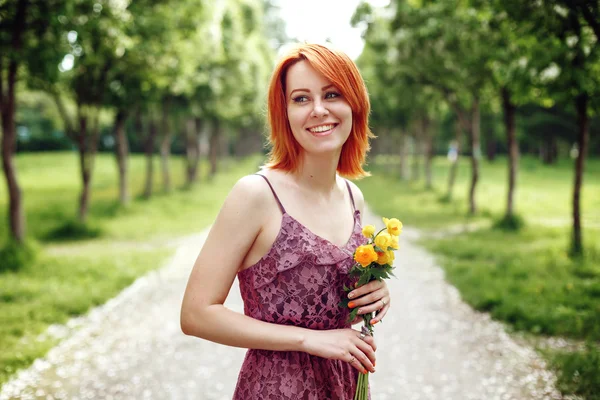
point(252, 185)
point(359, 199)
point(249, 190)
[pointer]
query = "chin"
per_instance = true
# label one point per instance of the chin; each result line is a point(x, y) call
point(325, 148)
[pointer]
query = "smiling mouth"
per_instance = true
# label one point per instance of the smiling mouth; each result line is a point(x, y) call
point(321, 128)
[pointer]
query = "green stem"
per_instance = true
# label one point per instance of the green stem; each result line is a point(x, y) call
point(379, 233)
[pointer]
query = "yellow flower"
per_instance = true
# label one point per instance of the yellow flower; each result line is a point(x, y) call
point(385, 257)
point(365, 255)
point(368, 231)
point(383, 240)
point(394, 243)
point(394, 227)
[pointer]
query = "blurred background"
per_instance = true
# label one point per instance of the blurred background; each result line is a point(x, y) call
point(125, 124)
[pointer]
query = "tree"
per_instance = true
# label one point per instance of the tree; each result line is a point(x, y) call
point(569, 32)
point(28, 32)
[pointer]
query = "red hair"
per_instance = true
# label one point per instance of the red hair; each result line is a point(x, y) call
point(338, 68)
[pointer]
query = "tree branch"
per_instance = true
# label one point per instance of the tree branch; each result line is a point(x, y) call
point(69, 129)
point(591, 20)
point(1, 82)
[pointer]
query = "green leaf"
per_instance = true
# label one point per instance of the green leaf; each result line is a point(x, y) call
point(353, 314)
point(365, 278)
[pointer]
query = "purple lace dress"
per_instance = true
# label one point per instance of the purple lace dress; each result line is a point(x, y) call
point(298, 282)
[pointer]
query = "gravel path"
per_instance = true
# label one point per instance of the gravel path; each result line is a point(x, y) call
point(431, 345)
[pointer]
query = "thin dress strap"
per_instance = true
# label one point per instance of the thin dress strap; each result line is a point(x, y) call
point(275, 194)
point(351, 197)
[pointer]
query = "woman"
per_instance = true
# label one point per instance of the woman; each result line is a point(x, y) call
point(285, 234)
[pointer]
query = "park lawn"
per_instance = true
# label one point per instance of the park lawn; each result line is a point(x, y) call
point(51, 186)
point(523, 278)
point(543, 193)
point(70, 277)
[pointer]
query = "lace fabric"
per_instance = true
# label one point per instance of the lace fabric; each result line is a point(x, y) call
point(298, 282)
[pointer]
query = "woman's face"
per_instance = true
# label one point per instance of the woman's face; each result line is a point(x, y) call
point(320, 117)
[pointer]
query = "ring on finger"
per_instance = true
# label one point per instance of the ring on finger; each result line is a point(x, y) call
point(384, 303)
point(352, 360)
point(362, 335)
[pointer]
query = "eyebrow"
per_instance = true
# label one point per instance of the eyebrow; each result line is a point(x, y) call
point(307, 90)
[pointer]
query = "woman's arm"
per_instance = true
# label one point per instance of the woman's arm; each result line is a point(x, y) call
point(203, 315)
point(231, 236)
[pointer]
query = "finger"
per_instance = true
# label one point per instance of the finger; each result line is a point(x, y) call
point(382, 313)
point(354, 362)
point(366, 355)
point(377, 306)
point(369, 299)
point(370, 340)
point(366, 288)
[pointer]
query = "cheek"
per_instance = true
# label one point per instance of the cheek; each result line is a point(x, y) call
point(295, 118)
point(345, 111)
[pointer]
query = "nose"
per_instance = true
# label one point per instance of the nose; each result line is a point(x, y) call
point(319, 110)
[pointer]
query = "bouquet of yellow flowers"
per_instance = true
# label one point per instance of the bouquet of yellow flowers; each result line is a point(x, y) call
point(373, 261)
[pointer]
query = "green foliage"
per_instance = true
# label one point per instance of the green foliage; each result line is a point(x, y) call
point(15, 256)
point(579, 371)
point(510, 223)
point(74, 230)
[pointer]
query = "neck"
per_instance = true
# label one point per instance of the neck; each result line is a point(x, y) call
point(318, 172)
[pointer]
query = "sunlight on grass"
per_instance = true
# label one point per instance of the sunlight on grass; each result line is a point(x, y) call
point(543, 193)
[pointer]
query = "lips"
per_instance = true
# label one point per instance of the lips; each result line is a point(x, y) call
point(322, 130)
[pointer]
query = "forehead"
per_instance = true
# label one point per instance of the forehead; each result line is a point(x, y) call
point(302, 75)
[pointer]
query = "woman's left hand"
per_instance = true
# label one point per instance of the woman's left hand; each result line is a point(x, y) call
point(374, 296)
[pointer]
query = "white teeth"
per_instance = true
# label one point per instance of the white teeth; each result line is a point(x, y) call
point(321, 128)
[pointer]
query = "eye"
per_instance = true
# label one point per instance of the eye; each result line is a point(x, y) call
point(332, 95)
point(300, 99)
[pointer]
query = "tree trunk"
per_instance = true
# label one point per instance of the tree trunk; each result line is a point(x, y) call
point(165, 146)
point(214, 147)
point(414, 175)
point(427, 151)
point(192, 149)
point(149, 150)
point(87, 146)
point(583, 125)
point(16, 215)
point(122, 153)
point(549, 149)
point(475, 153)
point(454, 165)
point(513, 149)
point(200, 132)
point(490, 145)
point(404, 172)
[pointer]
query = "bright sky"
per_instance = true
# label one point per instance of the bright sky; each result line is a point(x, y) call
point(317, 20)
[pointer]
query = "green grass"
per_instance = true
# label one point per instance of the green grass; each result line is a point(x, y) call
point(53, 288)
point(51, 186)
point(526, 279)
point(543, 194)
point(578, 371)
point(523, 276)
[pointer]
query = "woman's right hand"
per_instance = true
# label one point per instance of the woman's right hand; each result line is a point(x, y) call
point(342, 344)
